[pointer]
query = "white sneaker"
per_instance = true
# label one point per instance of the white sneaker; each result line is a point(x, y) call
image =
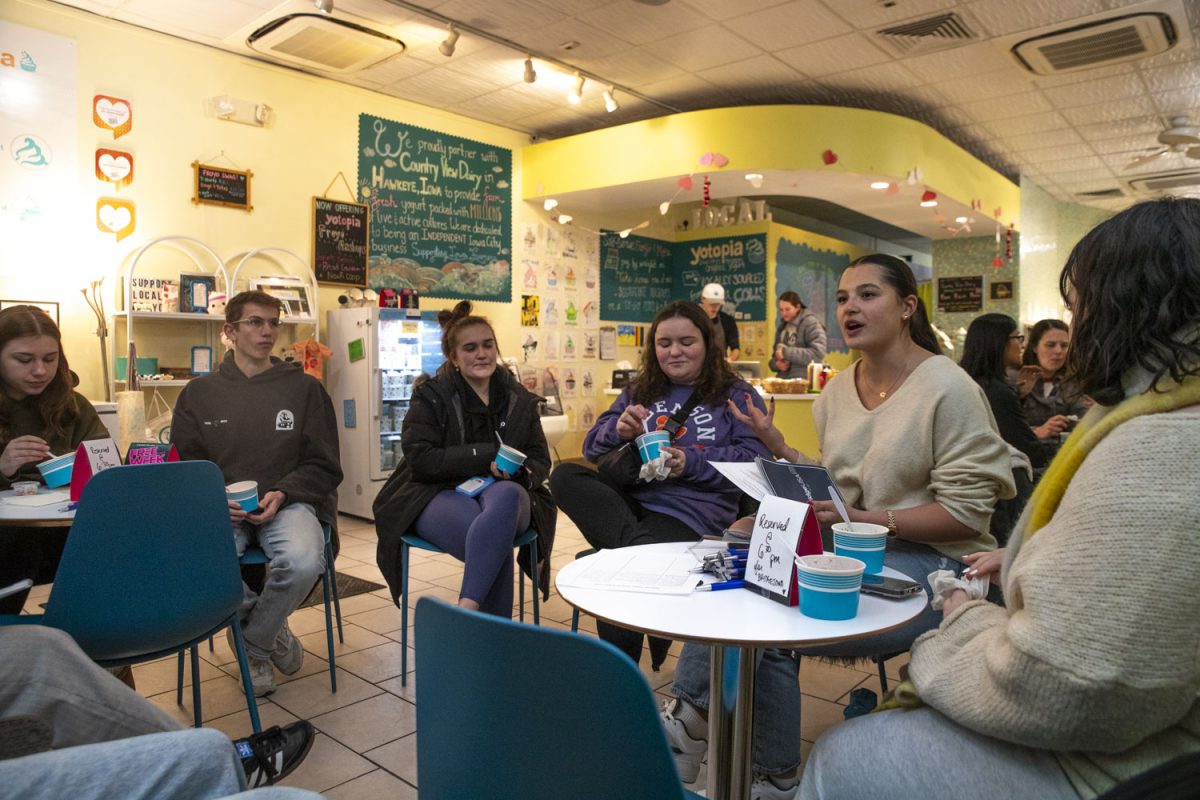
point(688, 752)
point(764, 788)
point(262, 676)
point(288, 654)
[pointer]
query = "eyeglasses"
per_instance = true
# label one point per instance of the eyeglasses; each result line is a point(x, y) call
point(258, 322)
point(1020, 337)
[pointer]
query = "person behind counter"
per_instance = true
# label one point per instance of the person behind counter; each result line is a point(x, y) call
point(1088, 677)
point(449, 436)
point(725, 329)
point(680, 365)
point(908, 439)
point(799, 338)
point(1051, 408)
point(40, 415)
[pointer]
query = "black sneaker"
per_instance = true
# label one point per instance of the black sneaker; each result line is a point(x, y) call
point(271, 755)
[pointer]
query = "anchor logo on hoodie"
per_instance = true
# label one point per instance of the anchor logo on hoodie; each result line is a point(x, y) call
point(285, 420)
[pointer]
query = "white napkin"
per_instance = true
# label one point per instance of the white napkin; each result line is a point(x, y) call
point(655, 469)
point(944, 582)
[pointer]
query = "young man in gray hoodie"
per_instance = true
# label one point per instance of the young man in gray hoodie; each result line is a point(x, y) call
point(261, 419)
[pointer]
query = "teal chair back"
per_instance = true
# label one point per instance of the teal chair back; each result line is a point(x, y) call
point(150, 564)
point(517, 711)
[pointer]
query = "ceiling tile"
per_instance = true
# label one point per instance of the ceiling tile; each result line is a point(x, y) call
point(982, 87)
point(682, 86)
point(724, 9)
point(700, 49)
point(788, 25)
point(394, 69)
point(1044, 155)
point(497, 65)
point(1176, 55)
point(753, 72)
point(1107, 112)
point(642, 24)
point(1031, 141)
point(508, 104)
point(894, 78)
point(838, 54)
point(960, 62)
point(1103, 90)
point(1025, 123)
point(1127, 144)
point(1071, 165)
point(1179, 102)
point(438, 89)
point(1080, 76)
point(985, 110)
point(634, 68)
point(927, 95)
point(1113, 129)
point(510, 19)
point(593, 42)
point(1003, 17)
point(1164, 79)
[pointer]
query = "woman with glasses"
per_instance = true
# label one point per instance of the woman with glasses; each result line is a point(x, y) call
point(1051, 408)
point(40, 415)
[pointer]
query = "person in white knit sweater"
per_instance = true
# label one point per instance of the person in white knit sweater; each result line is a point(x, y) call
point(910, 441)
point(1090, 676)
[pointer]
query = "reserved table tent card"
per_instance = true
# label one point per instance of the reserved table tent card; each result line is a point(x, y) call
point(94, 456)
point(783, 529)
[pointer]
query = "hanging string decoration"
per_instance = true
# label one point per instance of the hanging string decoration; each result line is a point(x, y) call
point(707, 192)
point(1008, 241)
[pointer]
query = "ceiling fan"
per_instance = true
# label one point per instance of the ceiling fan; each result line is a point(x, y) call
point(1181, 137)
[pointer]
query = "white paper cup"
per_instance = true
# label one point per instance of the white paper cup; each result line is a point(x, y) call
point(865, 541)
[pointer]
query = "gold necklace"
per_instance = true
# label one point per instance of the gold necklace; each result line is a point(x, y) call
point(903, 370)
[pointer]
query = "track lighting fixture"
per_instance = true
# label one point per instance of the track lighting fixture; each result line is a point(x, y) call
point(324, 6)
point(610, 102)
point(530, 75)
point(576, 94)
point(550, 204)
point(446, 48)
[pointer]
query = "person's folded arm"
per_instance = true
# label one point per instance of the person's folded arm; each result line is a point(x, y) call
point(423, 441)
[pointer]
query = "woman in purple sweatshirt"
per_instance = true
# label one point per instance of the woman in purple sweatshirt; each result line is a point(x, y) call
point(694, 499)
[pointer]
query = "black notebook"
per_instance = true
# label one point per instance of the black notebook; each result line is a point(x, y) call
point(800, 482)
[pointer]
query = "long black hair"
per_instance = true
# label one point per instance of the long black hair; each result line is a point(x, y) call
point(983, 350)
point(716, 376)
point(1134, 284)
point(1040, 329)
point(898, 275)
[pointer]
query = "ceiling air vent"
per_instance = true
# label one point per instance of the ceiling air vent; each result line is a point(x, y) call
point(927, 34)
point(1097, 44)
point(1176, 183)
point(324, 44)
point(1100, 194)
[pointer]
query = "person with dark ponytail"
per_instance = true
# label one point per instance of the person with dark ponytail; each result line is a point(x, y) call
point(40, 414)
point(450, 435)
point(799, 338)
point(909, 441)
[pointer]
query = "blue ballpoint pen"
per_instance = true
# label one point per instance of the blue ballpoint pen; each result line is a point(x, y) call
point(716, 587)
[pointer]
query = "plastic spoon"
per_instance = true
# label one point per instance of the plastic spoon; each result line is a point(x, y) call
point(841, 509)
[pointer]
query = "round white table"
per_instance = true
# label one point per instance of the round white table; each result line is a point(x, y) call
point(737, 618)
point(53, 515)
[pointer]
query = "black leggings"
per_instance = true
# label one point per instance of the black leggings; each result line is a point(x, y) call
point(609, 518)
point(28, 553)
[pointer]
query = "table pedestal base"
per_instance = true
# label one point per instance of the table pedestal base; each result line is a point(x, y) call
point(731, 723)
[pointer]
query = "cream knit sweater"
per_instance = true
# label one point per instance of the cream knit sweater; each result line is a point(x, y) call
point(933, 440)
point(1097, 655)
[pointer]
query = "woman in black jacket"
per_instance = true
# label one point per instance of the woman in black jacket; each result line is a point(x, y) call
point(450, 435)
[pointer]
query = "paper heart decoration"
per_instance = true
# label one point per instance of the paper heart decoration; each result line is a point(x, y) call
point(997, 262)
point(829, 157)
point(893, 188)
point(112, 113)
point(115, 216)
point(685, 182)
point(115, 166)
point(996, 212)
point(713, 160)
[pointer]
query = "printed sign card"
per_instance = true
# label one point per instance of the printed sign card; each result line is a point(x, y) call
point(150, 453)
point(92, 457)
point(783, 529)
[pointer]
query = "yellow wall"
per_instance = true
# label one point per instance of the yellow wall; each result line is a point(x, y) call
point(168, 80)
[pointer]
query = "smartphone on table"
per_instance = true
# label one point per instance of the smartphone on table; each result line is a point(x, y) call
point(473, 486)
point(891, 588)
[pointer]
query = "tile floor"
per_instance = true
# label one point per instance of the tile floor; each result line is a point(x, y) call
point(367, 741)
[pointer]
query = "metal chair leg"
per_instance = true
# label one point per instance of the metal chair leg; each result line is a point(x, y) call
point(404, 553)
point(196, 685)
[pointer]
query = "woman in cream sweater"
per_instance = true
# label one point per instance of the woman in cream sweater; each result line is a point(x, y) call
point(909, 440)
point(1090, 675)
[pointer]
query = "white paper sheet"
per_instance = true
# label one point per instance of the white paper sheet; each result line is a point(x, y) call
point(745, 475)
point(42, 498)
point(627, 571)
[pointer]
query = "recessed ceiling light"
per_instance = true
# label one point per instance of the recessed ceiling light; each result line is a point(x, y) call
point(960, 220)
point(881, 185)
point(929, 203)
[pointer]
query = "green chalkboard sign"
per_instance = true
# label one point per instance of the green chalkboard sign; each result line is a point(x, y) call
point(738, 263)
point(635, 277)
point(441, 211)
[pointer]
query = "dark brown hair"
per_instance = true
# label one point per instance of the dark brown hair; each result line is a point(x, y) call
point(1040, 329)
point(715, 374)
point(1136, 282)
point(793, 298)
point(454, 321)
point(56, 402)
point(899, 276)
point(235, 307)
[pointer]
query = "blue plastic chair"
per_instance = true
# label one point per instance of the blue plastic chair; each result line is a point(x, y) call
point(255, 555)
point(149, 569)
point(536, 713)
point(529, 537)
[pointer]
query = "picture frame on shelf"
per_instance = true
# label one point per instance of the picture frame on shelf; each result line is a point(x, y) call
point(290, 290)
point(49, 306)
point(202, 360)
point(194, 290)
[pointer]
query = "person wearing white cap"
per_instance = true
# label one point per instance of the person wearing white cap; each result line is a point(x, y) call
point(725, 331)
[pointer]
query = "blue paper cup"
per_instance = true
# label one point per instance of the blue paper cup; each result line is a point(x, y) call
point(244, 493)
point(865, 541)
point(509, 459)
point(57, 471)
point(828, 586)
point(650, 445)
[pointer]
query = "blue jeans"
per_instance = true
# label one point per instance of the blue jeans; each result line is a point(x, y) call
point(295, 545)
point(193, 764)
point(777, 681)
point(479, 531)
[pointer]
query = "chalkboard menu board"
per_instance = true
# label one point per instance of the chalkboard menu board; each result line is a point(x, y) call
point(738, 263)
point(960, 294)
point(635, 277)
point(219, 186)
point(441, 211)
point(340, 241)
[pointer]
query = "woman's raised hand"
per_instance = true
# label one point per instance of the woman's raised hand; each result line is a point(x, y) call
point(1026, 378)
point(762, 424)
point(631, 423)
point(20, 451)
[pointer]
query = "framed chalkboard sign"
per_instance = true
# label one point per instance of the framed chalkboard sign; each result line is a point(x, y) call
point(963, 293)
point(738, 263)
point(635, 277)
point(341, 241)
point(220, 186)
